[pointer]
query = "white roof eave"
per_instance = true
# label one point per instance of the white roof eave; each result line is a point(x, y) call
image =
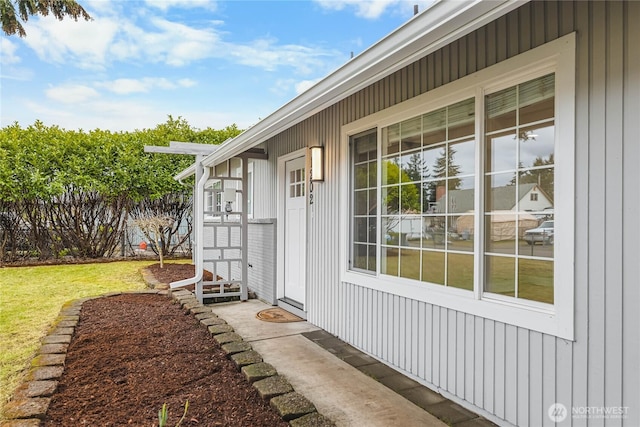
point(436, 27)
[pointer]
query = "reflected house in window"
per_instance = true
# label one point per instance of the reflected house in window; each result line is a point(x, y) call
point(502, 198)
point(525, 204)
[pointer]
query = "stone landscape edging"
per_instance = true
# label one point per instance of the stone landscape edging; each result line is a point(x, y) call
point(292, 406)
point(30, 401)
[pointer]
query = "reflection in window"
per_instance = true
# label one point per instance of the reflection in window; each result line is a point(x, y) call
point(364, 201)
point(519, 190)
point(213, 197)
point(428, 170)
point(429, 207)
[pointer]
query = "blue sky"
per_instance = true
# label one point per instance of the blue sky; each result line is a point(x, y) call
point(213, 63)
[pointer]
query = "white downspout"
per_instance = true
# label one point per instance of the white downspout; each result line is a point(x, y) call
point(198, 207)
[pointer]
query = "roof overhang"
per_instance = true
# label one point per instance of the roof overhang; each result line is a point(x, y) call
point(436, 27)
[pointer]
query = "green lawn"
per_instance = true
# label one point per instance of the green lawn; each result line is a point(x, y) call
point(31, 298)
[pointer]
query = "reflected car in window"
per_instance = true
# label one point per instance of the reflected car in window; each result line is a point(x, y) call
point(542, 234)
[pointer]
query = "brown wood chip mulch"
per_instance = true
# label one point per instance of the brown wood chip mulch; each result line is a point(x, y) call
point(132, 353)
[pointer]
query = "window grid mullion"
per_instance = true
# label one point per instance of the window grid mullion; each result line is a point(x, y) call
point(479, 207)
point(516, 291)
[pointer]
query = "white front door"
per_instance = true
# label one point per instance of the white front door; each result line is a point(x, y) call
point(295, 223)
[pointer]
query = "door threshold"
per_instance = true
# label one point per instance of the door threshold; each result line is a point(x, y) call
point(293, 307)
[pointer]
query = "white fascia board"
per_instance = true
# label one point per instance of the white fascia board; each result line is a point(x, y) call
point(441, 24)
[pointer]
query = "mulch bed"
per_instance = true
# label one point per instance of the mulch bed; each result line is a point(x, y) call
point(132, 353)
point(174, 272)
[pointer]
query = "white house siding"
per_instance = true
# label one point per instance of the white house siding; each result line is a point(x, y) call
point(510, 374)
point(261, 255)
point(264, 175)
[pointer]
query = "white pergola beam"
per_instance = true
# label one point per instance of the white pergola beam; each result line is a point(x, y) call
point(189, 148)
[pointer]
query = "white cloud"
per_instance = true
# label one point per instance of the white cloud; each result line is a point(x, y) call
point(283, 87)
point(80, 43)
point(113, 37)
point(183, 4)
point(98, 115)
point(9, 60)
point(8, 52)
point(71, 93)
point(178, 44)
point(373, 9)
point(268, 55)
point(303, 85)
point(144, 85)
point(369, 9)
point(129, 116)
point(101, 6)
point(187, 82)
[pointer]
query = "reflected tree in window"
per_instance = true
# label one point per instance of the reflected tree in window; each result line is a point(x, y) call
point(543, 176)
point(417, 170)
point(445, 167)
point(395, 200)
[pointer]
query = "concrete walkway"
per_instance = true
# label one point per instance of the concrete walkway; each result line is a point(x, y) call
point(340, 391)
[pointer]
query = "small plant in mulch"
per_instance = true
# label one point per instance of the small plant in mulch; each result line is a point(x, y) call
point(163, 415)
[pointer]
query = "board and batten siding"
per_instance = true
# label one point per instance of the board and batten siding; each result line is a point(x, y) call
point(510, 374)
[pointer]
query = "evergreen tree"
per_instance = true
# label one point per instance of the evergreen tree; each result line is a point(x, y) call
point(26, 8)
point(445, 167)
point(416, 169)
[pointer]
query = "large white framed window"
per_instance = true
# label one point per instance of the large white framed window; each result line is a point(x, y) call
point(463, 197)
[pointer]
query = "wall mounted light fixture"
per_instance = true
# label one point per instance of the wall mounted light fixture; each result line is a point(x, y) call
point(317, 163)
